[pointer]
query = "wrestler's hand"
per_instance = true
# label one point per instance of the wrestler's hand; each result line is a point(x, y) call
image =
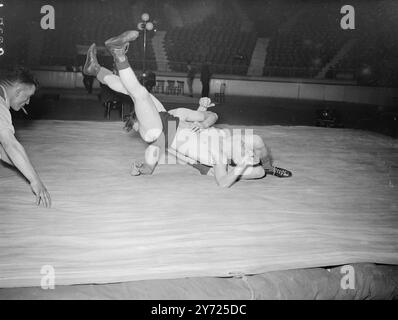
point(128, 126)
point(197, 126)
point(205, 102)
point(140, 168)
point(135, 168)
point(247, 161)
point(42, 195)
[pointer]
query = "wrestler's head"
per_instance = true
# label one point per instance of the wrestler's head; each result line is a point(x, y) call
point(250, 152)
point(132, 122)
point(20, 86)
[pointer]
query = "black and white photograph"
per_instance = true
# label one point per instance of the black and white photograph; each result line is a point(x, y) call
point(218, 151)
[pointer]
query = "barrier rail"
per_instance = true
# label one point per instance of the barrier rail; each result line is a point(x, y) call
point(253, 86)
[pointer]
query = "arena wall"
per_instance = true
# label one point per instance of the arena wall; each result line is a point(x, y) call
point(250, 86)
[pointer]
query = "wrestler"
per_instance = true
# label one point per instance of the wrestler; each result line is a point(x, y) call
point(146, 106)
point(105, 76)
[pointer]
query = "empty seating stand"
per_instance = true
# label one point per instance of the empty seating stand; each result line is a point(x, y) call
point(224, 39)
point(220, 96)
point(171, 87)
point(300, 47)
point(159, 88)
point(180, 87)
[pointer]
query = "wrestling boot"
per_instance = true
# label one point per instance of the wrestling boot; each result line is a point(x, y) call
point(119, 45)
point(278, 172)
point(91, 66)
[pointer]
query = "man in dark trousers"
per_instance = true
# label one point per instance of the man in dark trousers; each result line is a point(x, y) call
point(190, 77)
point(149, 80)
point(88, 83)
point(205, 76)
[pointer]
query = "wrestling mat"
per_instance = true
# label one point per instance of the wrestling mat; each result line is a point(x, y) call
point(105, 226)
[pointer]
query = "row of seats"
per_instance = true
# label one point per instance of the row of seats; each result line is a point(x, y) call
point(217, 38)
point(82, 23)
point(298, 47)
point(373, 59)
point(306, 45)
point(269, 15)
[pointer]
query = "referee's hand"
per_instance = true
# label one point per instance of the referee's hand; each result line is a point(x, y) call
point(42, 195)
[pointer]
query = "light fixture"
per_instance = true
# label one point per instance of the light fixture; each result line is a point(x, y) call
point(145, 25)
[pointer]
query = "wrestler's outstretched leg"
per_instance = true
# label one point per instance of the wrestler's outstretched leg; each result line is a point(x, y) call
point(106, 77)
point(263, 152)
point(148, 117)
point(145, 108)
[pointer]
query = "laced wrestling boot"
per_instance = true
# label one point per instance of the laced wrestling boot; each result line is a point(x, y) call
point(91, 66)
point(118, 46)
point(278, 172)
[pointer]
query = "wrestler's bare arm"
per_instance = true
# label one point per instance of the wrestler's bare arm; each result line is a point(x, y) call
point(186, 114)
point(210, 119)
point(226, 179)
point(203, 119)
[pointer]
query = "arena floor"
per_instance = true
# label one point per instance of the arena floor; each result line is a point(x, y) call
point(105, 226)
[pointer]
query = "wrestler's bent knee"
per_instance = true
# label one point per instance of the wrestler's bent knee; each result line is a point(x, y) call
point(151, 135)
